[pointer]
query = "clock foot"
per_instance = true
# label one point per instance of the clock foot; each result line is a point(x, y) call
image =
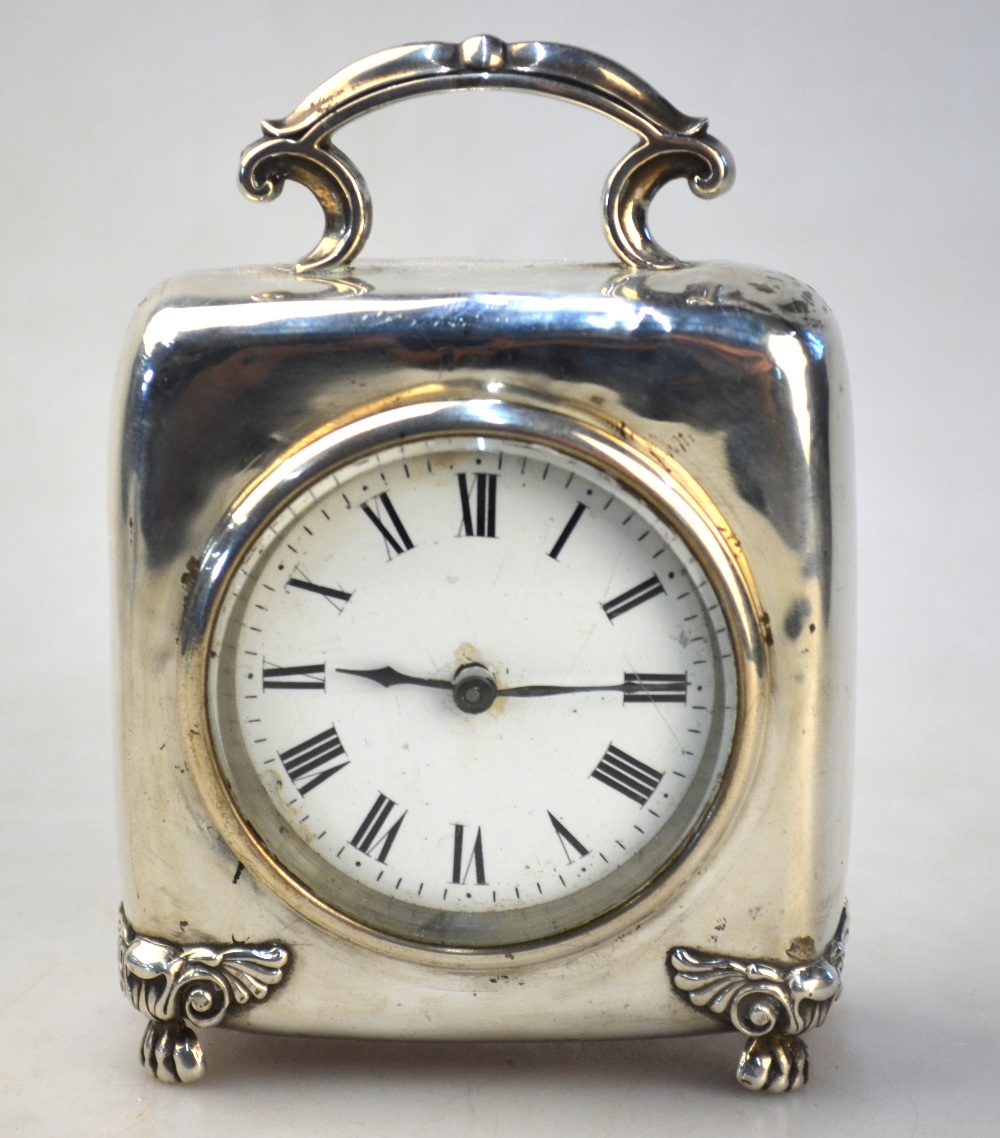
point(171, 1052)
point(771, 1003)
point(181, 987)
point(773, 1063)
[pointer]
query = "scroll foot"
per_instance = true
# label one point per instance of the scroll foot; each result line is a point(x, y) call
point(181, 987)
point(769, 1002)
point(171, 1052)
point(775, 1063)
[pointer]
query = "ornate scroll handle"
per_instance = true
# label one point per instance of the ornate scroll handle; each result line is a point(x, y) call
point(770, 1004)
point(672, 144)
point(184, 987)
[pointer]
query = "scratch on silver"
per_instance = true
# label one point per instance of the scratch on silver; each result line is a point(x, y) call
point(184, 987)
point(771, 1004)
point(672, 145)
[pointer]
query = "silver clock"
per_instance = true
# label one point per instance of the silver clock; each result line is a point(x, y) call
point(485, 630)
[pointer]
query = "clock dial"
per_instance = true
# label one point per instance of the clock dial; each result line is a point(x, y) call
point(472, 691)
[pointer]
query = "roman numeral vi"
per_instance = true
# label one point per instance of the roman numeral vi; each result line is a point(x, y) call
point(460, 874)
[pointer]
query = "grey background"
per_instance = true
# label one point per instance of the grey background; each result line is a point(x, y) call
point(866, 142)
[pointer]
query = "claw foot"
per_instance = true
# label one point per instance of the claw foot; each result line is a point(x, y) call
point(171, 1052)
point(775, 1063)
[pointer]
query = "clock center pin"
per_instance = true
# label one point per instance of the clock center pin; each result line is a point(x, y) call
point(473, 689)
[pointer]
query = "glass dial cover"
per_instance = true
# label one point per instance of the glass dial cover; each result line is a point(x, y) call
point(472, 691)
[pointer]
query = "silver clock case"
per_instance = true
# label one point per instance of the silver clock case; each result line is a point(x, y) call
point(733, 376)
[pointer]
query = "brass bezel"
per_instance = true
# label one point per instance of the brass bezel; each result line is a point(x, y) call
point(500, 411)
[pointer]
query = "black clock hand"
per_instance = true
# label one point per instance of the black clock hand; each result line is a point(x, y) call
point(629, 687)
point(390, 677)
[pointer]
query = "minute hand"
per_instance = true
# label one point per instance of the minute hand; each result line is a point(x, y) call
point(629, 687)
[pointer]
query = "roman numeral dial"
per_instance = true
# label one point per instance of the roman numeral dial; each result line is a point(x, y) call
point(471, 691)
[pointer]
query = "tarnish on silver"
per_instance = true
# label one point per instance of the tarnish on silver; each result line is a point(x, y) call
point(181, 988)
point(672, 145)
point(771, 1004)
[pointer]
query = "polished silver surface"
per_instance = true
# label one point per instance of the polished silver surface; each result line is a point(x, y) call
point(672, 145)
point(182, 987)
point(732, 378)
point(770, 1003)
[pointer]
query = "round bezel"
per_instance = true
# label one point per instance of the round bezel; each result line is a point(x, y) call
point(255, 829)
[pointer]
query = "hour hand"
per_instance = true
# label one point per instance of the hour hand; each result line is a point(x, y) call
point(390, 678)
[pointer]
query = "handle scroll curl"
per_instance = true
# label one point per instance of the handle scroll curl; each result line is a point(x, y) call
point(298, 147)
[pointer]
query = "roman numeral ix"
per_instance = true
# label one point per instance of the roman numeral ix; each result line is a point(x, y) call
point(392, 530)
point(479, 507)
point(459, 875)
point(308, 677)
point(375, 836)
point(656, 687)
point(627, 775)
point(311, 763)
point(638, 595)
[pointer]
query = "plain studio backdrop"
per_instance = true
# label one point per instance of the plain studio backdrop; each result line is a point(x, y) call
point(865, 137)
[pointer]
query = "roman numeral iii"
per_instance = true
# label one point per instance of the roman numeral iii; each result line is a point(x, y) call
point(461, 867)
point(638, 595)
point(375, 835)
point(307, 677)
point(627, 775)
point(312, 762)
point(479, 505)
point(656, 687)
point(397, 540)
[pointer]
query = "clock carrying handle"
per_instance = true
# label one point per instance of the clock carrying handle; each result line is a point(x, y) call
point(671, 145)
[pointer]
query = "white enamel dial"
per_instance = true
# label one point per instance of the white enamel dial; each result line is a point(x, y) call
point(472, 691)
